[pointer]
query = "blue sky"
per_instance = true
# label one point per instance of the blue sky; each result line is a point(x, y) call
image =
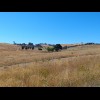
point(50, 27)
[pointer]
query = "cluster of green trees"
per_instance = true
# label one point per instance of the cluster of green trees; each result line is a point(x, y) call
point(30, 45)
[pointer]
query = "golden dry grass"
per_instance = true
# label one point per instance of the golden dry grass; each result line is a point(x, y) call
point(79, 66)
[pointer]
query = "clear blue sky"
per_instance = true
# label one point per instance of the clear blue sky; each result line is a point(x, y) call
point(50, 27)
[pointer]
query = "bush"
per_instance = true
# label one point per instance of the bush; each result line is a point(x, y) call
point(39, 48)
point(50, 49)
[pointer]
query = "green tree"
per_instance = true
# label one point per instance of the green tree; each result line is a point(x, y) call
point(57, 47)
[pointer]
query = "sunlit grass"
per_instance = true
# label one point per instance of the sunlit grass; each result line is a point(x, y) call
point(68, 68)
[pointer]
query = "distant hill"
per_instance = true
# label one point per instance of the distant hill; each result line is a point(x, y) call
point(6, 46)
point(12, 47)
point(70, 45)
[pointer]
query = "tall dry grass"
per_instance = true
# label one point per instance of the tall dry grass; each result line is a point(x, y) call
point(68, 68)
point(79, 71)
point(8, 58)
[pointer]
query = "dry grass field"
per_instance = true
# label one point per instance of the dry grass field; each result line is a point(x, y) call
point(75, 67)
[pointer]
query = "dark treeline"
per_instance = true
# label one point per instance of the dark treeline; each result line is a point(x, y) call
point(53, 47)
point(30, 45)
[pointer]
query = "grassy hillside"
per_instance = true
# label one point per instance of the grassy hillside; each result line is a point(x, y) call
point(8, 47)
point(77, 66)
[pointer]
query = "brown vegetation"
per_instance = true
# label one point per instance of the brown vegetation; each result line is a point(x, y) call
point(78, 66)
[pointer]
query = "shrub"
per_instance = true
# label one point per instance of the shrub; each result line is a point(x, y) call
point(50, 49)
point(39, 48)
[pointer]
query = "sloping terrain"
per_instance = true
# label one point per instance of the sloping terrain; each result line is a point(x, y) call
point(8, 47)
point(76, 66)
